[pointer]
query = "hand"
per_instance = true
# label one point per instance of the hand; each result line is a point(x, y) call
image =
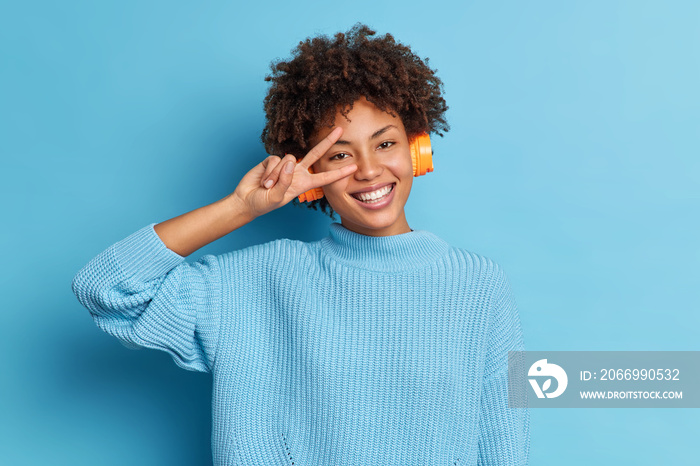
point(286, 178)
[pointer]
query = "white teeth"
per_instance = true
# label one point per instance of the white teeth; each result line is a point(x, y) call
point(375, 195)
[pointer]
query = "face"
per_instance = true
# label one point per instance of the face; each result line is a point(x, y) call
point(371, 200)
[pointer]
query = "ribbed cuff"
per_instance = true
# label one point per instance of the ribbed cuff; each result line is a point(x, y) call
point(144, 256)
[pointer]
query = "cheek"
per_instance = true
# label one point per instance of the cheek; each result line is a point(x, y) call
point(403, 166)
point(407, 183)
point(335, 189)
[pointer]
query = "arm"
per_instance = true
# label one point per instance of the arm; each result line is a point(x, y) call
point(269, 185)
point(143, 292)
point(147, 296)
point(504, 432)
point(188, 232)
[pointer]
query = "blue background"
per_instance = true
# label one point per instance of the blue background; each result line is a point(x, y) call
point(572, 161)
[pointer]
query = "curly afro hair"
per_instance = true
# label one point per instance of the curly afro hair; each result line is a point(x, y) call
point(327, 75)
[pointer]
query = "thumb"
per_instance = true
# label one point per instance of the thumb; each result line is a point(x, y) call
point(285, 180)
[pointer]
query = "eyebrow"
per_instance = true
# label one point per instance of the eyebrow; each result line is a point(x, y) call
point(376, 134)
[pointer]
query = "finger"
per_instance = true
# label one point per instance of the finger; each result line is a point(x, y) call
point(270, 163)
point(271, 174)
point(284, 180)
point(273, 177)
point(322, 147)
point(324, 178)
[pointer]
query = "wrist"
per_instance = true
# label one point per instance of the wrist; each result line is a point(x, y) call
point(237, 210)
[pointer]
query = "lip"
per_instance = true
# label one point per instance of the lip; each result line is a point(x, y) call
point(374, 187)
point(377, 205)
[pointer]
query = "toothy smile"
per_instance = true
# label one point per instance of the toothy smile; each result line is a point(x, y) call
point(374, 196)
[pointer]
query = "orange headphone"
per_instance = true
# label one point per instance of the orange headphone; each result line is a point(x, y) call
point(421, 157)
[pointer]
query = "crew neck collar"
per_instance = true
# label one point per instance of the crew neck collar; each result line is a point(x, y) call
point(394, 253)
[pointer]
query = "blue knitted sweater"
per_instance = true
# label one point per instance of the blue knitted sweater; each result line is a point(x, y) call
point(351, 350)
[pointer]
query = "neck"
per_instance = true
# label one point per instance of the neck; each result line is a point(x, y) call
point(404, 251)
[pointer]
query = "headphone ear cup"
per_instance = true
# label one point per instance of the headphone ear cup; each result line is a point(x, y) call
point(421, 154)
point(312, 194)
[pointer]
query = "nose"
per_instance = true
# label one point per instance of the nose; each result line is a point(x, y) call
point(368, 167)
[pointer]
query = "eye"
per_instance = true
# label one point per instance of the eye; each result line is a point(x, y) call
point(340, 156)
point(386, 145)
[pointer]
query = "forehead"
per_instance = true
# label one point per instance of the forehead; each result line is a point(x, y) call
point(360, 120)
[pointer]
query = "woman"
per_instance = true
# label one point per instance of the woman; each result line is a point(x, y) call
point(377, 345)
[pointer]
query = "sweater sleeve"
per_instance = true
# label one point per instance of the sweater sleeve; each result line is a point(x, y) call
point(504, 432)
point(148, 296)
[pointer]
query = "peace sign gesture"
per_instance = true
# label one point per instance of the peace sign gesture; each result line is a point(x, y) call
point(274, 182)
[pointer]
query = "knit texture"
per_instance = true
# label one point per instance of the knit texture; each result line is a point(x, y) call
point(351, 350)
